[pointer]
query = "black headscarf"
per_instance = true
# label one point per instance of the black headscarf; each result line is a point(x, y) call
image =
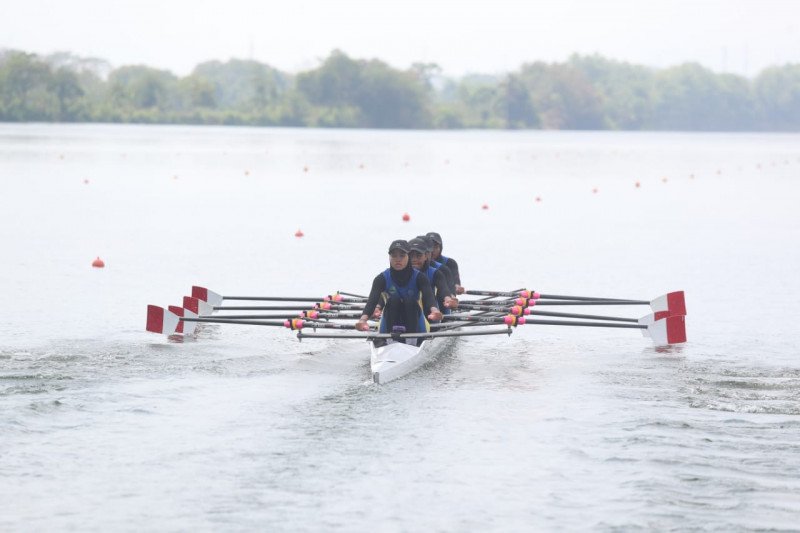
point(401, 277)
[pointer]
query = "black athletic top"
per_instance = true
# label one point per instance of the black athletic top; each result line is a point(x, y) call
point(453, 266)
point(450, 279)
point(400, 277)
point(440, 284)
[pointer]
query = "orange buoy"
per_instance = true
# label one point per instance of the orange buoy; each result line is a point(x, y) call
point(406, 217)
point(299, 233)
point(485, 206)
point(98, 263)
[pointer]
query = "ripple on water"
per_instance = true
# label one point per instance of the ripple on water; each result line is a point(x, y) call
point(748, 390)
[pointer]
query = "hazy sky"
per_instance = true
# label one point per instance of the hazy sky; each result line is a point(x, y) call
point(488, 36)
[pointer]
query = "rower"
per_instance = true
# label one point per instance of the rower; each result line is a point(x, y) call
point(420, 260)
point(404, 293)
point(449, 262)
point(451, 279)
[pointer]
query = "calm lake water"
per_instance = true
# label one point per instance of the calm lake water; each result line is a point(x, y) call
point(104, 426)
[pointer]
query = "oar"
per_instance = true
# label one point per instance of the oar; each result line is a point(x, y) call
point(664, 331)
point(426, 335)
point(295, 323)
point(215, 299)
point(319, 306)
point(675, 300)
point(303, 314)
point(528, 311)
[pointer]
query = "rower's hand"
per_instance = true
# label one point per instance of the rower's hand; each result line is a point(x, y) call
point(450, 302)
point(435, 315)
point(362, 325)
point(376, 315)
point(460, 289)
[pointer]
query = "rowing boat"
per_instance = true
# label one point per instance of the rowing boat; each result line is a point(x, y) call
point(397, 359)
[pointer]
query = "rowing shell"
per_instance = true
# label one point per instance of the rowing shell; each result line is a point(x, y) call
point(397, 359)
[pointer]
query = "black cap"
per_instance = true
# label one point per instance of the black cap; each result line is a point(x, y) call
point(428, 242)
point(399, 244)
point(418, 244)
point(436, 237)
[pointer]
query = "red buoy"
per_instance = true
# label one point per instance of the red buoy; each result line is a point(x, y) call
point(98, 263)
point(299, 233)
point(406, 217)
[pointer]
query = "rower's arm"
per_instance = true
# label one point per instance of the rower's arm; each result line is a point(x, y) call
point(450, 278)
point(378, 286)
point(453, 266)
point(442, 292)
point(428, 299)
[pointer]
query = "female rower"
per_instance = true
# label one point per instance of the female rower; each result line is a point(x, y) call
point(404, 293)
point(449, 262)
point(421, 260)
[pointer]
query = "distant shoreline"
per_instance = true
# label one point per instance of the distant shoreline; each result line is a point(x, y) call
point(587, 93)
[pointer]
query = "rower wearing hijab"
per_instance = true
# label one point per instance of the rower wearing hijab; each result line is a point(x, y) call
point(451, 280)
point(420, 260)
point(403, 292)
point(449, 262)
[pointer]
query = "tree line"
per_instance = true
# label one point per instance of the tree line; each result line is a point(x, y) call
point(583, 92)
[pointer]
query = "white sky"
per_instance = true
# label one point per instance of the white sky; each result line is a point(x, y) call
point(487, 36)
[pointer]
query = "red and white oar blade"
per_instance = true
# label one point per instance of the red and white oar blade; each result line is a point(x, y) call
point(648, 320)
point(210, 297)
point(669, 330)
point(159, 320)
point(196, 306)
point(674, 303)
point(187, 328)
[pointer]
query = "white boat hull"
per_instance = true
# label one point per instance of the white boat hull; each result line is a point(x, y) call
point(397, 359)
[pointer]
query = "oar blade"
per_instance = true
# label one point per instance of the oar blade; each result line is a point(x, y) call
point(187, 328)
point(674, 303)
point(197, 306)
point(160, 320)
point(667, 331)
point(210, 297)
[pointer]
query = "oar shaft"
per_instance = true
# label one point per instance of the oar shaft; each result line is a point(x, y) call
point(261, 308)
point(591, 317)
point(233, 321)
point(592, 302)
point(583, 324)
point(334, 305)
point(288, 316)
point(274, 298)
point(551, 296)
point(370, 336)
point(305, 323)
point(589, 298)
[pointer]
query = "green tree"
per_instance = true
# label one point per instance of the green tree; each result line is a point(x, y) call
point(777, 92)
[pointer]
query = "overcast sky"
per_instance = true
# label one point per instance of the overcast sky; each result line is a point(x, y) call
point(462, 36)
